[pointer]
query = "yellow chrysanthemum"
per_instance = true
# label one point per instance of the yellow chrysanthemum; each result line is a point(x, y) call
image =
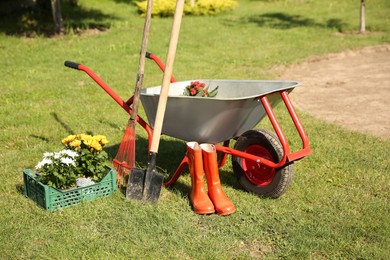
point(68, 139)
point(94, 142)
point(96, 145)
point(101, 139)
point(87, 141)
point(84, 136)
point(75, 144)
point(81, 136)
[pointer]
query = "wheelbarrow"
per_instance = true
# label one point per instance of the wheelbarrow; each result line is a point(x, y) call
point(261, 159)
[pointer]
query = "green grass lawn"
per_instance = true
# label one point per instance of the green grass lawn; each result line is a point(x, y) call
point(337, 206)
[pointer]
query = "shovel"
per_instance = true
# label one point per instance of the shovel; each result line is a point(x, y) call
point(147, 184)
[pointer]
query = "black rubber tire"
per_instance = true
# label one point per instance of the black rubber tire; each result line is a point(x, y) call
point(267, 143)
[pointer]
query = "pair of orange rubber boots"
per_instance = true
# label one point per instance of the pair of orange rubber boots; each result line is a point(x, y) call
point(202, 159)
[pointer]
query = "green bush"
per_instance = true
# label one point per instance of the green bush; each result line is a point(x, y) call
point(201, 7)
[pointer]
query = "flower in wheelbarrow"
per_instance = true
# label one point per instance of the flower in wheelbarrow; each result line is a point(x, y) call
point(199, 89)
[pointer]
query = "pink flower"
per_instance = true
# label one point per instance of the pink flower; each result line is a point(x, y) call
point(199, 88)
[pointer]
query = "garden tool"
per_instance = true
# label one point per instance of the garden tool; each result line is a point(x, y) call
point(146, 184)
point(125, 158)
point(221, 202)
point(200, 201)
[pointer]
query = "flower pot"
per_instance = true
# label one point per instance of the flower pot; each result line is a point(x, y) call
point(52, 199)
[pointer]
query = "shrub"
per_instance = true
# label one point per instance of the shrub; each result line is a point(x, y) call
point(211, 7)
point(202, 7)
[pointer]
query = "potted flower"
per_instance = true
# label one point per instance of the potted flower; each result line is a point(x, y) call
point(83, 157)
point(58, 169)
point(79, 172)
point(91, 159)
point(199, 89)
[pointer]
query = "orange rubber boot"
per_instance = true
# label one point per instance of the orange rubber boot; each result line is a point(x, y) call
point(200, 201)
point(222, 204)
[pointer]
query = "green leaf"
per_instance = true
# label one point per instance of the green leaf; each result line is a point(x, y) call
point(200, 93)
point(213, 93)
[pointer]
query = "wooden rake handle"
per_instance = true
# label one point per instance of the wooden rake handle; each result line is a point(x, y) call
point(141, 66)
point(162, 102)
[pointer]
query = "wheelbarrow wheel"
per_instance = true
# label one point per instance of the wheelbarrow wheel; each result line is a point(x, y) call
point(263, 181)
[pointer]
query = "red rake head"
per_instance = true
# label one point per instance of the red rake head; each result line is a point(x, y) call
point(125, 158)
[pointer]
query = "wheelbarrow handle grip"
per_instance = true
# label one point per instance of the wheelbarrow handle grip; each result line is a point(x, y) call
point(72, 64)
point(159, 63)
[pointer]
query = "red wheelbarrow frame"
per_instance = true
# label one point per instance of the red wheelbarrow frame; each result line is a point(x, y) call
point(224, 149)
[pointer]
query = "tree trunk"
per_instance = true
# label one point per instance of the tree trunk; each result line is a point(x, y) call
point(57, 16)
point(362, 17)
point(192, 3)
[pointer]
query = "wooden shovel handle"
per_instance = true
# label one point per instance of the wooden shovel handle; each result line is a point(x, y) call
point(162, 102)
point(141, 66)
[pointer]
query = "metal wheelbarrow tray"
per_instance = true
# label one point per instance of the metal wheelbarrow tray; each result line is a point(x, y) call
point(261, 159)
point(236, 108)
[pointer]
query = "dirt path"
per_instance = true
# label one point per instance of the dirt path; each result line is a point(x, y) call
point(351, 88)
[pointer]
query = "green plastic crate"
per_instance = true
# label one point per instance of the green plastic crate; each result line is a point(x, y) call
point(51, 198)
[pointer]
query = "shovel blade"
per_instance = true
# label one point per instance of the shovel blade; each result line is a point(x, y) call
point(135, 185)
point(145, 184)
point(153, 184)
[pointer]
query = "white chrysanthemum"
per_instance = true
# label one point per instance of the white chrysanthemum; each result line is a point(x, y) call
point(43, 163)
point(70, 153)
point(57, 155)
point(68, 161)
point(47, 155)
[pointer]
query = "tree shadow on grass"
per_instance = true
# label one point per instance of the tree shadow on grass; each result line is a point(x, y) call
point(38, 21)
point(284, 21)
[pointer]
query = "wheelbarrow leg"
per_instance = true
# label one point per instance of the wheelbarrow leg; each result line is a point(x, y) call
point(177, 173)
point(223, 156)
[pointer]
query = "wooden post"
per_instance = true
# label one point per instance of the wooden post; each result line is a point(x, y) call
point(362, 17)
